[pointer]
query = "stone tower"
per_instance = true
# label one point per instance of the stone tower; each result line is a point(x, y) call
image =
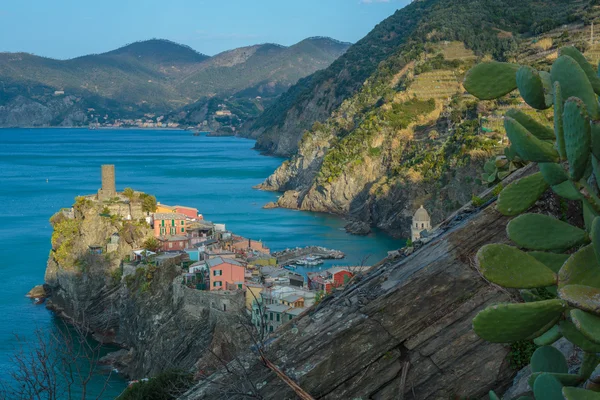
point(108, 189)
point(421, 222)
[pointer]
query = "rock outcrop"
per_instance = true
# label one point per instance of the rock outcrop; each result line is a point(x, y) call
point(413, 314)
point(146, 309)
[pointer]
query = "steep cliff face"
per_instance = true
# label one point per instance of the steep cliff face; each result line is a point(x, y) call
point(144, 308)
point(412, 314)
point(58, 111)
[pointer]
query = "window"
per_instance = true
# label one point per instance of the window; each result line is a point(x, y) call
point(289, 317)
point(217, 284)
point(162, 231)
point(217, 272)
point(182, 230)
point(271, 316)
point(239, 285)
point(172, 222)
point(422, 225)
point(170, 245)
point(182, 222)
point(271, 328)
point(278, 318)
point(162, 222)
point(172, 231)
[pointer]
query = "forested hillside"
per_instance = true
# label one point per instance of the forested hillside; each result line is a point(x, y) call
point(149, 77)
point(410, 135)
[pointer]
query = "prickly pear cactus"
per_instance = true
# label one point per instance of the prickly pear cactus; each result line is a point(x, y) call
point(549, 253)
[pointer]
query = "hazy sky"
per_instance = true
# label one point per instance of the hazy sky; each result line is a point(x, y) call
point(70, 28)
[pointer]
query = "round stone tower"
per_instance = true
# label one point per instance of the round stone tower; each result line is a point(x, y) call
point(421, 222)
point(108, 189)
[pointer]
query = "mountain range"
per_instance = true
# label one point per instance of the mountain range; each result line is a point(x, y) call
point(154, 76)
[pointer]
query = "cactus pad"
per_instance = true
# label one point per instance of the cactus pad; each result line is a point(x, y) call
point(576, 55)
point(488, 81)
point(582, 268)
point(553, 173)
point(558, 121)
point(510, 267)
point(565, 379)
point(547, 387)
point(548, 359)
point(521, 195)
point(507, 323)
point(574, 393)
point(574, 82)
point(541, 232)
point(531, 87)
point(584, 297)
point(589, 214)
point(588, 324)
point(527, 145)
point(553, 261)
point(568, 190)
point(538, 130)
point(577, 133)
point(549, 337)
point(595, 235)
point(572, 334)
point(595, 136)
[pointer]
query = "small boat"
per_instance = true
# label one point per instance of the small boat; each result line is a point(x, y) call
point(310, 261)
point(290, 267)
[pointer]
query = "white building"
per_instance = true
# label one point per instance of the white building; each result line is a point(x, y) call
point(421, 222)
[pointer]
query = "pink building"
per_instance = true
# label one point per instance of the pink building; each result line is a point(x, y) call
point(226, 274)
point(189, 212)
point(173, 243)
point(169, 224)
point(242, 244)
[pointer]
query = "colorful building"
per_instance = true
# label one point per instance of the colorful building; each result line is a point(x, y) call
point(189, 212)
point(327, 280)
point(172, 243)
point(226, 274)
point(169, 224)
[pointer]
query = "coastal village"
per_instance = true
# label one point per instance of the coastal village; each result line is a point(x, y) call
point(216, 260)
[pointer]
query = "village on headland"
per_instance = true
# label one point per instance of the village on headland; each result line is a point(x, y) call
point(215, 260)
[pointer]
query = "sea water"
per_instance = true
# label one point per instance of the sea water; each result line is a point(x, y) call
point(43, 170)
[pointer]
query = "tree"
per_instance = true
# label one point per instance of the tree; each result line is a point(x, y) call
point(151, 244)
point(129, 193)
point(58, 364)
point(148, 203)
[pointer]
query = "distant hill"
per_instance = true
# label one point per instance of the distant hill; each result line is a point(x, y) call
point(154, 76)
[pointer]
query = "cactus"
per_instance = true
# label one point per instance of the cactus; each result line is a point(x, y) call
point(541, 232)
point(512, 268)
point(547, 387)
point(507, 323)
point(527, 145)
point(572, 393)
point(538, 130)
point(573, 335)
point(574, 83)
point(498, 169)
point(489, 81)
point(521, 195)
point(585, 66)
point(551, 260)
point(531, 87)
point(577, 133)
point(587, 324)
point(582, 267)
point(584, 297)
point(549, 337)
point(572, 88)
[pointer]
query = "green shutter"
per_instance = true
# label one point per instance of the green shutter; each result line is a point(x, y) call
point(172, 222)
point(163, 222)
point(182, 230)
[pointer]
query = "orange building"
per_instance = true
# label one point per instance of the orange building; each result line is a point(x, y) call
point(226, 274)
point(169, 224)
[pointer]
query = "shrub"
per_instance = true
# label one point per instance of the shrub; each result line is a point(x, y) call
point(168, 385)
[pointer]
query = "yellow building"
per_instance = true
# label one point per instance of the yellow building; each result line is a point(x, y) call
point(252, 293)
point(165, 209)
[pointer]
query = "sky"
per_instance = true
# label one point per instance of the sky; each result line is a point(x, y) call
point(70, 28)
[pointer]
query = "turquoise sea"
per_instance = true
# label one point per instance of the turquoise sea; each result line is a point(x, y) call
point(42, 170)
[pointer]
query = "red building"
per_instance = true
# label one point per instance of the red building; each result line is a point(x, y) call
point(189, 212)
point(173, 243)
point(327, 280)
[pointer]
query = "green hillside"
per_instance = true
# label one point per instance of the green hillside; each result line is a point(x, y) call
point(155, 76)
point(486, 27)
point(410, 135)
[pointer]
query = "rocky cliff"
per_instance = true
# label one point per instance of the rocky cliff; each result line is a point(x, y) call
point(403, 328)
point(144, 308)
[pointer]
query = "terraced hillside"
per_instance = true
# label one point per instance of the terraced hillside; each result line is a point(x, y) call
point(411, 135)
